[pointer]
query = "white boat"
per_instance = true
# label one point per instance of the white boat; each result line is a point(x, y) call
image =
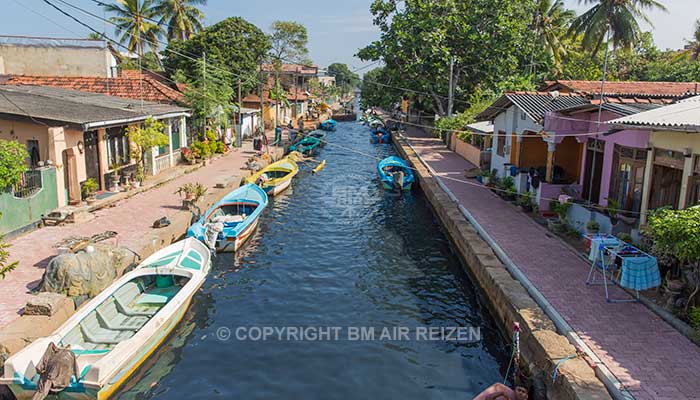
point(114, 333)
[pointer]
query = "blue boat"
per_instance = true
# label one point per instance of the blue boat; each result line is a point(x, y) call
point(232, 220)
point(329, 125)
point(395, 174)
point(379, 135)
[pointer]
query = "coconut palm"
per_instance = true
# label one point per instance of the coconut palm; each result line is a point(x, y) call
point(692, 48)
point(135, 26)
point(550, 26)
point(182, 17)
point(617, 18)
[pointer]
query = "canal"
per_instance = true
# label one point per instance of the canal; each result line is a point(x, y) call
point(333, 251)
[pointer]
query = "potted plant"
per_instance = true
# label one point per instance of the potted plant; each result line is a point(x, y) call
point(139, 177)
point(613, 210)
point(88, 190)
point(485, 177)
point(525, 201)
point(115, 178)
point(189, 156)
point(592, 227)
point(192, 193)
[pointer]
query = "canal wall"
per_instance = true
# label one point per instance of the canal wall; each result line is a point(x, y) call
point(542, 348)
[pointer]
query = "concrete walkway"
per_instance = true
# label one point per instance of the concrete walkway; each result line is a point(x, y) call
point(649, 357)
point(131, 218)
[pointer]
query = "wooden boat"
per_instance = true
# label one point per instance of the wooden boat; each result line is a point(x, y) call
point(306, 146)
point(379, 135)
point(276, 177)
point(395, 174)
point(114, 333)
point(232, 220)
point(329, 125)
point(320, 135)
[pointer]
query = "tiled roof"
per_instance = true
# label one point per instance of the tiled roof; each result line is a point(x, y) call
point(534, 104)
point(626, 89)
point(130, 86)
point(684, 116)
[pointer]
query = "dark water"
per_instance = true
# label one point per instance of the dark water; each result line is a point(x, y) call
point(334, 251)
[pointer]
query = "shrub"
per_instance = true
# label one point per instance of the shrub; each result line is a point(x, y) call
point(676, 232)
point(625, 237)
point(88, 188)
point(694, 317)
point(593, 226)
point(200, 149)
point(13, 156)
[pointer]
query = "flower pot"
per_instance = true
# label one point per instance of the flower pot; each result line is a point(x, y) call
point(91, 200)
point(485, 180)
point(189, 197)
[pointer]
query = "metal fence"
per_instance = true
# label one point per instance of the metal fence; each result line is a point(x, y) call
point(30, 183)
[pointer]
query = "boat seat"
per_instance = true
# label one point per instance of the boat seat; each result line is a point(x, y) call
point(111, 318)
point(95, 333)
point(125, 298)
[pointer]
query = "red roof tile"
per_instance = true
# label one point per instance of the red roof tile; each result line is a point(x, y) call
point(628, 88)
point(130, 86)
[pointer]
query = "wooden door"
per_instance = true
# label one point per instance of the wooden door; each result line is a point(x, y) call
point(92, 156)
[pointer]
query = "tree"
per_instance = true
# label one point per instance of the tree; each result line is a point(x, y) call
point(374, 93)
point(210, 97)
point(182, 17)
point(618, 18)
point(692, 49)
point(145, 138)
point(288, 40)
point(134, 24)
point(13, 162)
point(233, 44)
point(550, 25)
point(345, 79)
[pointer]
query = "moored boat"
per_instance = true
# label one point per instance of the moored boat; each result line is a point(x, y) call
point(320, 135)
point(232, 220)
point(276, 177)
point(329, 125)
point(115, 332)
point(379, 135)
point(306, 146)
point(395, 174)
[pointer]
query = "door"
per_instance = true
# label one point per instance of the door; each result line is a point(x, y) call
point(594, 167)
point(92, 156)
point(665, 187)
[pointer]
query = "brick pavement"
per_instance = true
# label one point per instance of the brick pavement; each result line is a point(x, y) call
point(130, 218)
point(650, 358)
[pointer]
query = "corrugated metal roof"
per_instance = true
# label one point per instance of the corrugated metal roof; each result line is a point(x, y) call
point(33, 41)
point(483, 126)
point(684, 115)
point(534, 104)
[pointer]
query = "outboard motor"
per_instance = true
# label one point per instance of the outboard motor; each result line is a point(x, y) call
point(211, 234)
point(397, 180)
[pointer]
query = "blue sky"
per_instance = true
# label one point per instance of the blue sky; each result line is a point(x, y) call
point(337, 28)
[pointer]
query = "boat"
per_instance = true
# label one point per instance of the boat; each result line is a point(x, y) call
point(231, 221)
point(307, 146)
point(320, 135)
point(114, 333)
point(329, 125)
point(395, 174)
point(276, 177)
point(379, 135)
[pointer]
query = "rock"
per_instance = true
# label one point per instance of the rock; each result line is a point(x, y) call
point(86, 273)
point(472, 173)
point(45, 304)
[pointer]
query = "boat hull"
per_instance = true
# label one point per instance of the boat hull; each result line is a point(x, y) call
point(233, 243)
point(389, 186)
point(279, 188)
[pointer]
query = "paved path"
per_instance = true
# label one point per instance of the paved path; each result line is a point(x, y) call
point(131, 219)
point(646, 354)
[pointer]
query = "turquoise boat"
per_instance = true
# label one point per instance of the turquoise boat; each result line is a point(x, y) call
point(113, 334)
point(395, 174)
point(329, 125)
point(320, 135)
point(232, 220)
point(306, 146)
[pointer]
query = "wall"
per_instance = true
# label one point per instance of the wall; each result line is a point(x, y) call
point(18, 213)
point(468, 151)
point(510, 122)
point(55, 61)
point(678, 141)
point(23, 131)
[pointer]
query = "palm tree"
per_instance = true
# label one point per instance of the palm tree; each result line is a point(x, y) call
point(615, 18)
point(182, 17)
point(550, 26)
point(135, 24)
point(692, 48)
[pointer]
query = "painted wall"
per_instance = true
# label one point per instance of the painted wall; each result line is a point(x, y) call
point(468, 151)
point(55, 61)
point(511, 121)
point(678, 141)
point(18, 213)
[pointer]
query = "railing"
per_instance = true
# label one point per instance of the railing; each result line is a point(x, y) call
point(30, 183)
point(161, 163)
point(177, 156)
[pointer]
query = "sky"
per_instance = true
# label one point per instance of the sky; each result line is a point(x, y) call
point(337, 28)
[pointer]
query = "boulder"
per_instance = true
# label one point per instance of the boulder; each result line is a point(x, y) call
point(46, 303)
point(86, 273)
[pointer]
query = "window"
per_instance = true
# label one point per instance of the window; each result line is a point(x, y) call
point(501, 144)
point(628, 177)
point(117, 147)
point(33, 151)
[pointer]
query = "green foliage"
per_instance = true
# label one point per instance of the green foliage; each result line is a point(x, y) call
point(13, 162)
point(625, 237)
point(210, 95)
point(593, 226)
point(200, 150)
point(694, 317)
point(147, 136)
point(194, 190)
point(149, 61)
point(459, 121)
point(288, 41)
point(676, 233)
point(182, 17)
point(88, 188)
point(560, 209)
point(5, 266)
point(134, 24)
point(374, 91)
point(525, 199)
point(345, 79)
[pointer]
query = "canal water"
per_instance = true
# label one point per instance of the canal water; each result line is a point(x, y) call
point(333, 251)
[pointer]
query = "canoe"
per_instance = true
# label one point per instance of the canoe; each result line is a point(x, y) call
point(329, 125)
point(307, 146)
point(393, 168)
point(320, 135)
point(276, 177)
point(115, 332)
point(231, 221)
point(379, 135)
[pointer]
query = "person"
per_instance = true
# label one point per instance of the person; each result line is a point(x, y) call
point(301, 124)
point(278, 133)
point(499, 391)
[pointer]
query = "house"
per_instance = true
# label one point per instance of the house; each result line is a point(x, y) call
point(672, 164)
point(477, 148)
point(41, 56)
point(83, 135)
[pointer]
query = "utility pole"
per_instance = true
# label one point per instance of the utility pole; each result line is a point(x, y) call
point(239, 131)
point(600, 113)
point(204, 81)
point(450, 97)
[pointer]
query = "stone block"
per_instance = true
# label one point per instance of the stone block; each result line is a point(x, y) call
point(46, 303)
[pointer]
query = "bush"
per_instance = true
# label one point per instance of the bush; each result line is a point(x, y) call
point(676, 233)
point(13, 157)
point(593, 226)
point(200, 149)
point(88, 188)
